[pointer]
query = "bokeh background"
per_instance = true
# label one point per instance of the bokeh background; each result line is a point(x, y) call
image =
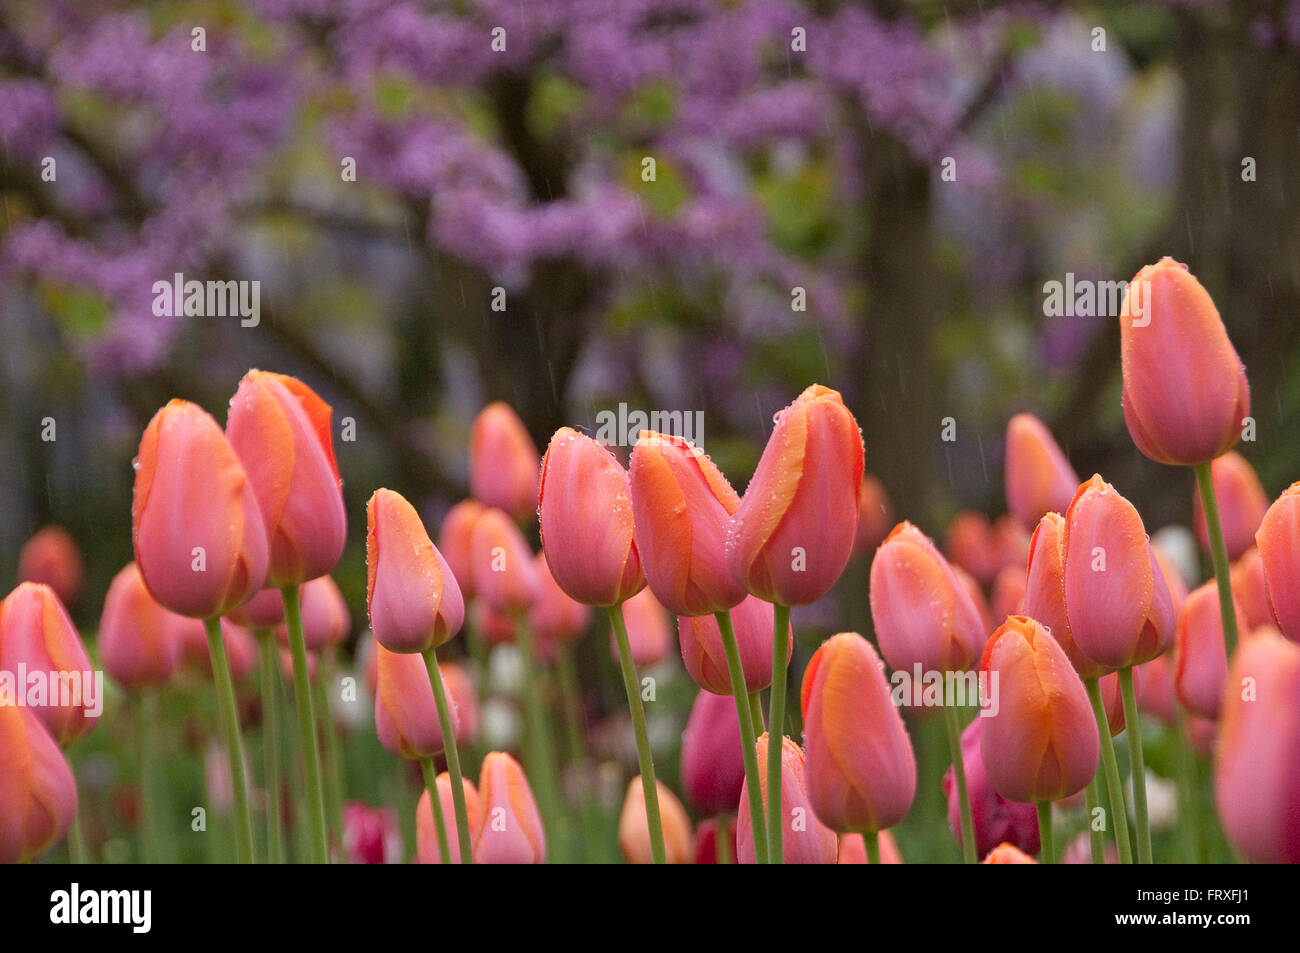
point(820, 168)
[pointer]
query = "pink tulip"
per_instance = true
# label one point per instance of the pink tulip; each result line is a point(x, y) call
point(1038, 477)
point(426, 831)
point(1246, 577)
point(325, 617)
point(51, 556)
point(553, 616)
point(854, 851)
point(241, 649)
point(370, 834)
point(1009, 587)
point(712, 765)
point(634, 828)
point(464, 702)
point(406, 716)
point(875, 516)
point(711, 835)
point(1278, 539)
point(1202, 665)
point(997, 820)
point(264, 611)
point(455, 542)
point(503, 564)
point(503, 463)
point(806, 839)
point(1241, 500)
point(705, 659)
point(140, 644)
point(649, 631)
point(511, 829)
point(38, 795)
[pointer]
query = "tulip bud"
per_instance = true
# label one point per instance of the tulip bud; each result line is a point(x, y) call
point(713, 768)
point(1185, 390)
point(280, 429)
point(1039, 478)
point(1173, 578)
point(264, 611)
point(795, 529)
point(370, 834)
point(38, 795)
point(325, 617)
point(1278, 539)
point(1202, 664)
point(1155, 688)
point(705, 658)
point(51, 556)
point(36, 633)
point(860, 770)
point(1246, 577)
point(1007, 854)
point(511, 828)
point(875, 516)
point(997, 820)
point(503, 564)
point(503, 464)
point(414, 601)
point(427, 850)
point(1119, 606)
point(554, 617)
point(969, 544)
point(806, 840)
point(585, 506)
point(1042, 742)
point(215, 557)
point(464, 702)
point(922, 612)
point(634, 827)
point(854, 851)
point(406, 716)
point(1009, 587)
point(139, 641)
point(455, 542)
point(1242, 504)
point(1045, 591)
point(1256, 772)
point(972, 589)
point(649, 632)
point(1010, 542)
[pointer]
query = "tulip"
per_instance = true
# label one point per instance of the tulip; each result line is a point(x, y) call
point(264, 611)
point(503, 462)
point(1256, 772)
point(997, 820)
point(972, 589)
point(713, 771)
point(806, 839)
point(1173, 579)
point(1039, 479)
point(140, 644)
point(1251, 591)
point(414, 601)
point(1045, 592)
point(1278, 538)
point(237, 644)
point(464, 701)
point(875, 516)
point(1185, 388)
point(861, 773)
point(634, 829)
point(1042, 743)
point(1009, 587)
point(1202, 665)
point(51, 556)
point(969, 544)
point(38, 795)
point(406, 714)
point(1156, 693)
point(36, 634)
point(681, 509)
point(215, 557)
point(585, 507)
point(1007, 854)
point(503, 564)
point(430, 830)
point(705, 657)
point(554, 616)
point(455, 542)
point(510, 831)
point(370, 835)
point(853, 849)
point(1242, 504)
point(649, 630)
point(325, 617)
point(1010, 544)
point(715, 841)
point(280, 430)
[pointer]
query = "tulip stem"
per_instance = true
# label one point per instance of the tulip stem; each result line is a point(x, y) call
point(541, 753)
point(1118, 812)
point(77, 853)
point(270, 663)
point(306, 725)
point(872, 843)
point(145, 720)
point(968, 850)
point(1045, 832)
point(332, 760)
point(643, 754)
point(1193, 842)
point(1097, 843)
point(744, 711)
point(573, 717)
point(234, 745)
point(776, 732)
point(1137, 769)
point(435, 806)
point(1219, 553)
point(756, 713)
point(452, 755)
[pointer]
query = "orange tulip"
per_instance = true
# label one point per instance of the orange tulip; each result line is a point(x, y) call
point(706, 661)
point(38, 795)
point(860, 769)
point(1246, 577)
point(280, 429)
point(1242, 504)
point(1202, 664)
point(1119, 605)
point(464, 702)
point(969, 544)
point(649, 632)
point(139, 641)
point(1256, 772)
point(795, 529)
point(922, 612)
point(1173, 579)
point(264, 611)
point(875, 516)
point(1009, 587)
point(854, 851)
point(503, 564)
point(1045, 591)
point(1039, 479)
point(51, 556)
point(1278, 539)
point(585, 506)
point(325, 616)
point(634, 828)
point(455, 542)
point(406, 716)
point(1007, 854)
point(199, 538)
point(427, 850)
point(972, 589)
point(1185, 389)
point(681, 509)
point(37, 635)
point(503, 462)
point(413, 598)
point(510, 831)
point(806, 840)
point(554, 617)
point(1042, 742)
point(1155, 688)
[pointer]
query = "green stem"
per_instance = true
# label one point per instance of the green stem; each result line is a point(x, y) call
point(968, 847)
point(722, 838)
point(1118, 811)
point(540, 736)
point(270, 675)
point(1194, 839)
point(1219, 552)
point(573, 718)
point(1045, 832)
point(872, 843)
point(307, 726)
point(643, 754)
point(234, 745)
point(1097, 843)
point(748, 733)
point(435, 806)
point(1137, 769)
point(756, 713)
point(776, 732)
point(452, 755)
point(148, 821)
point(332, 760)
point(77, 852)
